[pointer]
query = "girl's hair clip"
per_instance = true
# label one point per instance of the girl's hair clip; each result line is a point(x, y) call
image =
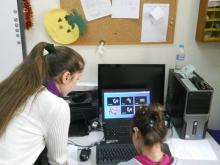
point(50, 49)
point(151, 123)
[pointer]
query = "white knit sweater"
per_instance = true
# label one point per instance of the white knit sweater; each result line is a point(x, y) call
point(44, 120)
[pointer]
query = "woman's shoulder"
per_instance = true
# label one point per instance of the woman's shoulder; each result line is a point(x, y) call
point(47, 100)
point(47, 105)
point(47, 96)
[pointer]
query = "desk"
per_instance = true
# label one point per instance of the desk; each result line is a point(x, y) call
point(96, 136)
point(84, 141)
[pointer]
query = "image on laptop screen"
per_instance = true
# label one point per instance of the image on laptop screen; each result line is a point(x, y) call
point(122, 103)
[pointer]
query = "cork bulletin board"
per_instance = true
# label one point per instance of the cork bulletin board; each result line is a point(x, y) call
point(118, 31)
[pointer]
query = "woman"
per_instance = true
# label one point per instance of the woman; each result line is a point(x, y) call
point(32, 116)
point(148, 133)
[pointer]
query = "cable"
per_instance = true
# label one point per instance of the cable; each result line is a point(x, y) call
point(70, 142)
point(171, 130)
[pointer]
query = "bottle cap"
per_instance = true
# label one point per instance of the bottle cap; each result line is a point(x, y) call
point(181, 45)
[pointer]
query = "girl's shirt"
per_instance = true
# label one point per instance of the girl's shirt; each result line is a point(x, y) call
point(144, 160)
point(166, 160)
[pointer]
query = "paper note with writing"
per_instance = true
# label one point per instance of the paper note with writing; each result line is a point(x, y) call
point(95, 9)
point(192, 149)
point(154, 22)
point(125, 9)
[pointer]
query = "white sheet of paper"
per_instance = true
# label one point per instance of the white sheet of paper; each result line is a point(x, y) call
point(125, 9)
point(95, 9)
point(154, 22)
point(157, 13)
point(192, 149)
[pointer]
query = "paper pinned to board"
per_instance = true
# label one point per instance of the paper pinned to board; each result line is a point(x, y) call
point(192, 149)
point(125, 9)
point(94, 9)
point(157, 13)
point(155, 22)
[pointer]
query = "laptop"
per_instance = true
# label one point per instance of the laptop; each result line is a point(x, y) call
point(118, 109)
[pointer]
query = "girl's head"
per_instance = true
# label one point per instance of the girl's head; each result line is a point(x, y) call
point(60, 63)
point(63, 65)
point(148, 126)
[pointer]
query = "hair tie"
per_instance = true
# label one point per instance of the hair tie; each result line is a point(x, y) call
point(151, 123)
point(50, 49)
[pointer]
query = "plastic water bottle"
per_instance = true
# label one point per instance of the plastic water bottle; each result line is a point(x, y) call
point(180, 57)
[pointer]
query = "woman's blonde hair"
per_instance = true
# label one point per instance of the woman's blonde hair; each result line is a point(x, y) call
point(28, 77)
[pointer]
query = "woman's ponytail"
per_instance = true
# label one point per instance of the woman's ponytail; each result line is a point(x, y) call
point(29, 76)
point(23, 82)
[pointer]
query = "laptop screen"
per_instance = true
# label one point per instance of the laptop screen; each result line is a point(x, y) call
point(122, 103)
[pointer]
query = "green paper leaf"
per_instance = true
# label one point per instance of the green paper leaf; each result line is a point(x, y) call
point(75, 18)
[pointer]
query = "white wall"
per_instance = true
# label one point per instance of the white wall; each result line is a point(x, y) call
point(205, 57)
point(10, 48)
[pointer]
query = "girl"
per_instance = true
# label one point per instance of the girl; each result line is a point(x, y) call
point(148, 133)
point(32, 116)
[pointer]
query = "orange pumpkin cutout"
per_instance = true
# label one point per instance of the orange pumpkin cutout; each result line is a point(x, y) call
point(58, 28)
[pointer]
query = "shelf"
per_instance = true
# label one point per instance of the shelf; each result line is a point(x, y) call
point(212, 29)
point(212, 39)
point(208, 24)
point(213, 20)
point(214, 9)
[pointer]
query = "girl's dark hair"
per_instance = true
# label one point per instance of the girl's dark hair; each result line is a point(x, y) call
point(28, 77)
point(150, 122)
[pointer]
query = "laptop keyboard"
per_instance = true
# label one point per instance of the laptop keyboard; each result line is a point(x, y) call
point(116, 132)
point(111, 154)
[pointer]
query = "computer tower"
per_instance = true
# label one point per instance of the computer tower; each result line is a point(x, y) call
point(188, 104)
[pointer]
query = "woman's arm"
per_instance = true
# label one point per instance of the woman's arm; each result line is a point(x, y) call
point(57, 136)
